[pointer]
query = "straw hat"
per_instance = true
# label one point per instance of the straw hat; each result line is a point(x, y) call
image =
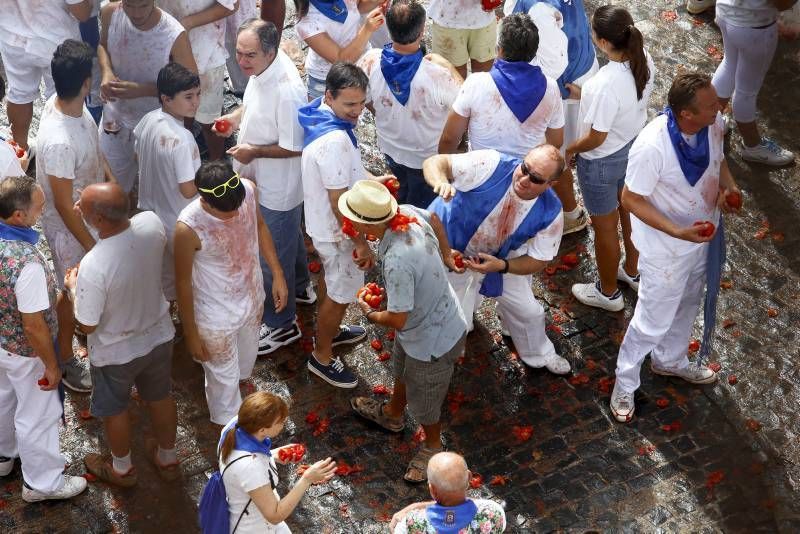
point(368, 202)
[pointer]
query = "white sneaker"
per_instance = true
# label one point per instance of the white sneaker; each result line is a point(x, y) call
point(696, 7)
point(72, 487)
point(307, 297)
point(576, 225)
point(591, 295)
point(622, 405)
point(6, 465)
point(558, 365)
point(694, 374)
point(767, 152)
point(632, 281)
point(271, 339)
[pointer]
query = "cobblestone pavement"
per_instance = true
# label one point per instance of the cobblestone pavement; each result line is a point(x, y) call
point(721, 458)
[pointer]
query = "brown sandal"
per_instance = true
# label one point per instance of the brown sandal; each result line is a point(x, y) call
point(372, 410)
point(419, 465)
point(104, 471)
point(170, 472)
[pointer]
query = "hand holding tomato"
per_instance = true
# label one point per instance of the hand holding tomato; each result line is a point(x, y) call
point(291, 453)
point(225, 125)
point(730, 200)
point(455, 261)
point(699, 232)
point(370, 297)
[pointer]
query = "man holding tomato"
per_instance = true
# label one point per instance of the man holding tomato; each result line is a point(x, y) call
point(676, 183)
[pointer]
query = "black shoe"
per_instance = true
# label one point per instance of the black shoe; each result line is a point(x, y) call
point(349, 334)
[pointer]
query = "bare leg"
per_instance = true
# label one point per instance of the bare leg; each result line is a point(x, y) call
point(433, 436)
point(165, 420)
point(631, 265)
point(462, 70)
point(20, 116)
point(481, 66)
point(118, 433)
point(565, 190)
point(606, 250)
point(396, 406)
point(66, 327)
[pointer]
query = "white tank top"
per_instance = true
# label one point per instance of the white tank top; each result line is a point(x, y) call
point(137, 56)
point(226, 275)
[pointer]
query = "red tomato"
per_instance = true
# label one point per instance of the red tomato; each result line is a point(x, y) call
point(732, 380)
point(380, 389)
point(570, 259)
point(734, 200)
point(458, 261)
point(382, 357)
point(662, 402)
point(392, 184)
point(376, 344)
point(85, 414)
point(43, 381)
point(694, 345)
point(222, 126)
point(390, 335)
point(708, 228)
point(314, 266)
point(476, 481)
point(19, 152)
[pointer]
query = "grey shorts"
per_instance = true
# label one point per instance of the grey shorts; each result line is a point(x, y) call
point(426, 382)
point(111, 384)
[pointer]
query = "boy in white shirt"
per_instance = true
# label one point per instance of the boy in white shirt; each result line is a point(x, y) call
point(463, 31)
point(168, 156)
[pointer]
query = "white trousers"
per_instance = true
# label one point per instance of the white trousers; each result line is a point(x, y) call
point(522, 315)
point(233, 355)
point(670, 292)
point(118, 148)
point(29, 422)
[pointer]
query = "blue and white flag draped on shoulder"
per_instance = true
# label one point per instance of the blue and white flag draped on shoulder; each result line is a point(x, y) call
point(316, 122)
point(398, 70)
point(463, 215)
point(521, 85)
point(693, 160)
point(335, 10)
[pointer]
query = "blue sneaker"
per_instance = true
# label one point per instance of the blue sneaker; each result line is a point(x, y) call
point(349, 334)
point(335, 374)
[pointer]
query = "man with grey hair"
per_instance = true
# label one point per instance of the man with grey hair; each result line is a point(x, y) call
point(129, 344)
point(268, 152)
point(30, 412)
point(450, 510)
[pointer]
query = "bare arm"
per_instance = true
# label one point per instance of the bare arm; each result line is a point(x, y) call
point(245, 152)
point(275, 510)
point(107, 172)
point(639, 206)
point(590, 141)
point(783, 5)
point(38, 335)
point(82, 11)
point(554, 136)
point(182, 53)
point(103, 57)
point(439, 174)
point(186, 245)
point(187, 189)
point(208, 15)
point(365, 259)
point(522, 265)
point(453, 132)
point(365, 6)
point(62, 200)
point(331, 52)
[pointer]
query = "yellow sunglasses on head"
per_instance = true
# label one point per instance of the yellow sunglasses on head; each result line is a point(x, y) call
point(220, 190)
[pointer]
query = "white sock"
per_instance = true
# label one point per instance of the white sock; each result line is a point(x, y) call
point(122, 465)
point(167, 456)
point(574, 214)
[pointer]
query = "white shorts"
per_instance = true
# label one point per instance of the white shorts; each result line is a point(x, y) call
point(118, 148)
point(211, 88)
point(66, 251)
point(343, 278)
point(24, 72)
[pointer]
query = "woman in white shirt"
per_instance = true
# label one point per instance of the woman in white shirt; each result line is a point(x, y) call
point(245, 447)
point(333, 31)
point(613, 110)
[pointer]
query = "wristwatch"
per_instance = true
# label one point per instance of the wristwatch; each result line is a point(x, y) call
point(504, 270)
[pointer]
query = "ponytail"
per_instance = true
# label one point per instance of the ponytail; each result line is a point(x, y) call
point(258, 410)
point(615, 25)
point(228, 444)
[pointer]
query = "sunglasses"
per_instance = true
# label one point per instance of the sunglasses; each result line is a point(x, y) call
point(532, 176)
point(220, 190)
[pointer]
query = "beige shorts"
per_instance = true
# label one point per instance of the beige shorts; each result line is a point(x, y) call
point(343, 278)
point(211, 88)
point(458, 46)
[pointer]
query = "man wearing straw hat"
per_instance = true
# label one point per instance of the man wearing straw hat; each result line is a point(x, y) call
point(420, 305)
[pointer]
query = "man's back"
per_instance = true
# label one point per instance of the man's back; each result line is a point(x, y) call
point(38, 27)
point(489, 519)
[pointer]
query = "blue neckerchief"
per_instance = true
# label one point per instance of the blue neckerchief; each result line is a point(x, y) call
point(714, 264)
point(398, 70)
point(521, 85)
point(451, 519)
point(245, 441)
point(693, 161)
point(317, 122)
point(463, 215)
point(580, 50)
point(18, 233)
point(335, 10)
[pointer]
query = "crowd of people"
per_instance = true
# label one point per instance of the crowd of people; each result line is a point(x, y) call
point(152, 223)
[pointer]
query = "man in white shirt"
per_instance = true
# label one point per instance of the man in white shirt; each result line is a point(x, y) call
point(29, 419)
point(29, 34)
point(675, 185)
point(496, 112)
point(205, 22)
point(268, 152)
point(463, 31)
point(247, 10)
point(410, 95)
point(331, 164)
point(168, 156)
point(129, 344)
point(69, 160)
point(501, 214)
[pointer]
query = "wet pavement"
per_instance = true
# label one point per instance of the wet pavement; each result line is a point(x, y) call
point(721, 458)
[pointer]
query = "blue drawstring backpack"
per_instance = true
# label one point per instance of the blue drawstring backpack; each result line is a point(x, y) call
point(213, 512)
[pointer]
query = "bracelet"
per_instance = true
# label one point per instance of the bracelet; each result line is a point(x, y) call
point(504, 270)
point(368, 313)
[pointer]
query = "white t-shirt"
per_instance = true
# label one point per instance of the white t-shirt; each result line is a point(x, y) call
point(747, 13)
point(168, 156)
point(271, 101)
point(460, 14)
point(409, 134)
point(119, 291)
point(38, 26)
point(315, 23)
point(654, 172)
point(67, 147)
point(9, 164)
point(472, 169)
point(329, 162)
point(551, 55)
point(208, 40)
point(493, 125)
point(609, 104)
point(31, 289)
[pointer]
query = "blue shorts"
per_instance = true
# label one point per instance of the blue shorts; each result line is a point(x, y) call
point(602, 179)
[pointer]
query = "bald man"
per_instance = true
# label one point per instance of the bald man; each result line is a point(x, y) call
point(450, 510)
point(120, 305)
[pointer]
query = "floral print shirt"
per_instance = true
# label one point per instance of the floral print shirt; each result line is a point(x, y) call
point(489, 519)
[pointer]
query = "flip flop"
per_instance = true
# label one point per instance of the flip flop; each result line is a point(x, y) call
point(104, 471)
point(170, 472)
point(419, 464)
point(372, 410)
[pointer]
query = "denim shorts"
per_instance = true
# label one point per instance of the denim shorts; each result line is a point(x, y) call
point(316, 88)
point(602, 179)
